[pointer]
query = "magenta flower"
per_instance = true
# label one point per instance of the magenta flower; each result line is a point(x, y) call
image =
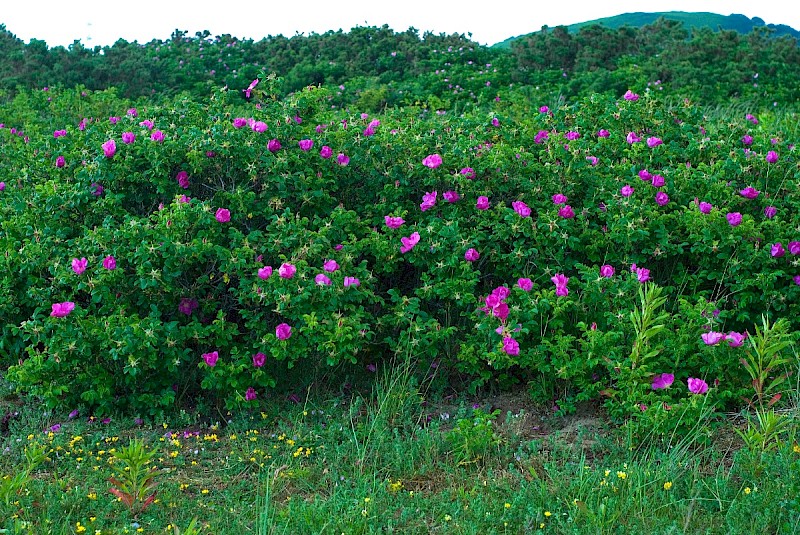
point(468, 172)
point(747, 140)
point(750, 117)
point(796, 279)
point(543, 109)
point(541, 136)
point(326, 152)
point(662, 381)
point(211, 358)
point(393, 222)
point(521, 208)
point(128, 137)
point(657, 181)
point(428, 200)
point(735, 339)
point(645, 175)
point(697, 386)
point(794, 247)
point(110, 263)
point(705, 207)
point(626, 190)
point(330, 266)
point(772, 156)
point(560, 280)
point(409, 242)
point(749, 192)
point(250, 395)
point(132, 112)
point(305, 144)
point(630, 95)
point(60, 162)
point(632, 138)
point(433, 161)
point(510, 346)
point(187, 305)
point(2, 186)
point(287, 270)
point(495, 121)
point(109, 148)
point(157, 136)
point(351, 281)
point(239, 122)
point(259, 127)
point(572, 135)
point(770, 212)
point(259, 359)
point(642, 274)
point(183, 179)
point(147, 123)
point(566, 212)
point(525, 284)
point(603, 133)
point(60, 310)
point(606, 271)
point(322, 280)
point(184, 199)
point(483, 203)
point(777, 250)
point(223, 215)
point(342, 159)
point(265, 272)
point(654, 142)
point(250, 88)
point(734, 219)
point(662, 198)
point(283, 331)
point(79, 266)
point(559, 198)
point(451, 196)
point(712, 338)
point(471, 255)
point(273, 145)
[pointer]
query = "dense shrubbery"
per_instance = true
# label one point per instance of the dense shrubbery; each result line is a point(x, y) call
point(226, 241)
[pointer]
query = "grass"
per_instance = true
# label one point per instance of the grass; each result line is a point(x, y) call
point(390, 460)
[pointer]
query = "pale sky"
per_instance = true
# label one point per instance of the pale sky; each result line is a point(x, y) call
point(102, 22)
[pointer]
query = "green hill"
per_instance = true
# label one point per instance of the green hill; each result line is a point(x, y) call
point(739, 23)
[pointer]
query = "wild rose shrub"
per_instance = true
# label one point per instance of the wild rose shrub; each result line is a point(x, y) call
point(199, 223)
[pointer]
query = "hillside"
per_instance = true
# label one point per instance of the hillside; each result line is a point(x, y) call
point(739, 23)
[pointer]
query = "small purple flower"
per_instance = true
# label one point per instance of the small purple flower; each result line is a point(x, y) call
point(273, 145)
point(157, 136)
point(734, 219)
point(265, 272)
point(351, 281)
point(642, 274)
point(342, 159)
point(468, 172)
point(60, 162)
point(632, 138)
point(626, 191)
point(187, 305)
point(657, 181)
point(482, 203)
point(603, 133)
point(593, 160)
point(772, 157)
point(566, 212)
point(283, 331)
point(287, 270)
point(322, 280)
point(510, 346)
point(697, 386)
point(662, 198)
point(560, 280)
point(451, 196)
point(770, 212)
point(521, 208)
point(541, 136)
point(432, 161)
point(393, 222)
point(712, 338)
point(223, 215)
point(630, 95)
point(211, 358)
point(305, 144)
point(794, 247)
point(326, 152)
point(662, 381)
point(654, 142)
point(428, 200)
point(525, 284)
point(749, 192)
point(471, 255)
point(606, 271)
point(559, 198)
point(128, 137)
point(330, 266)
point(777, 250)
point(735, 339)
point(250, 395)
point(110, 263)
point(259, 359)
point(747, 140)
point(705, 207)
point(259, 127)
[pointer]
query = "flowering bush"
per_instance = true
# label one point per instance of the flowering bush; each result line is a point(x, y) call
point(209, 259)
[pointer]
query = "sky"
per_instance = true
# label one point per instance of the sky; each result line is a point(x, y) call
point(103, 22)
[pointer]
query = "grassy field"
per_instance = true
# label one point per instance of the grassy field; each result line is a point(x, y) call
point(392, 460)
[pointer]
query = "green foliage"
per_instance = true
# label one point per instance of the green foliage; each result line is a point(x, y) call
point(474, 437)
point(133, 481)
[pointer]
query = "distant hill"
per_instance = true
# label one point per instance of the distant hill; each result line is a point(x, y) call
point(740, 23)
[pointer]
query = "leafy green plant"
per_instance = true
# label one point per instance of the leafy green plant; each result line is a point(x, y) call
point(10, 485)
point(134, 480)
point(474, 437)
